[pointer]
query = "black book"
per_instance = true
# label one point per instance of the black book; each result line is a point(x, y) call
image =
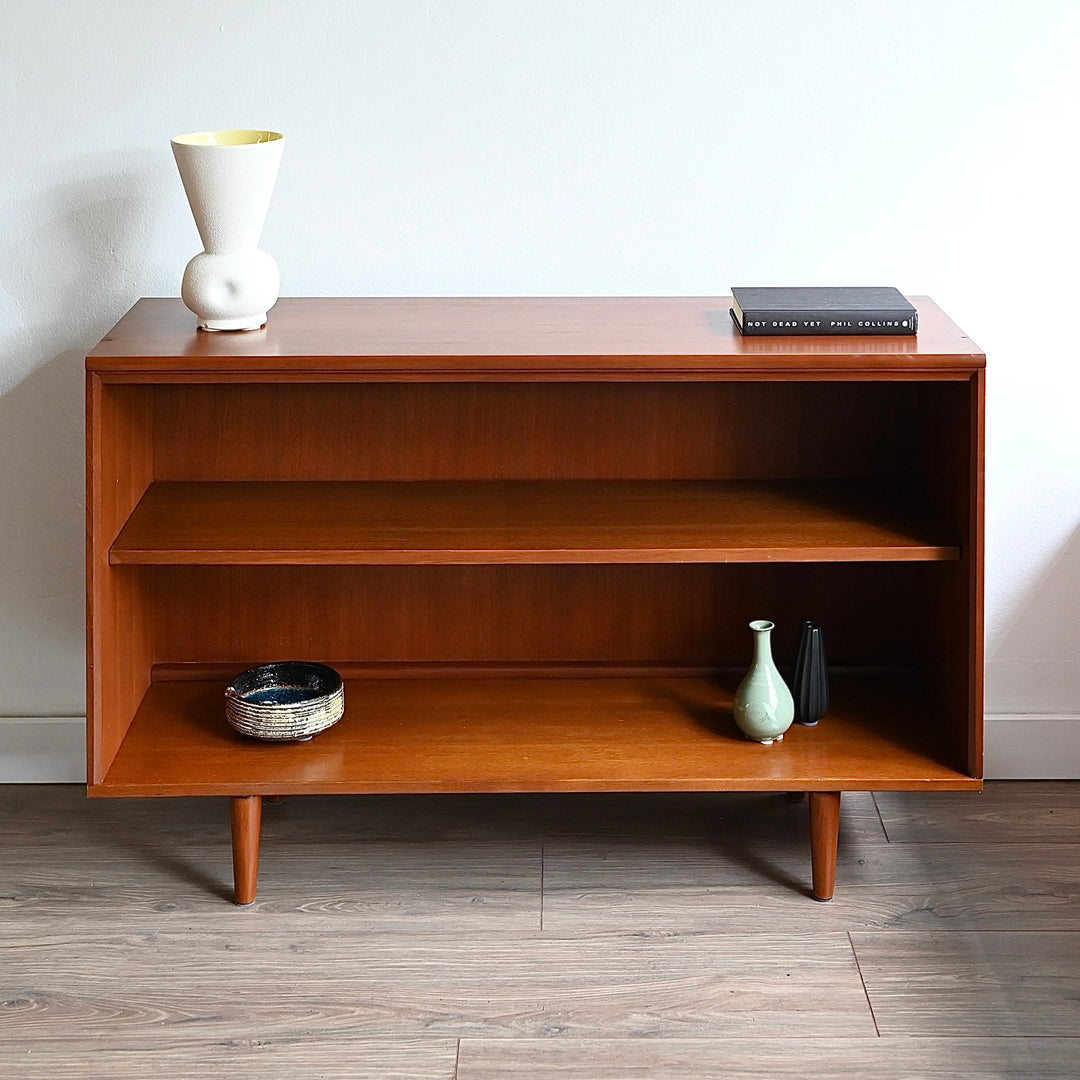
point(817, 310)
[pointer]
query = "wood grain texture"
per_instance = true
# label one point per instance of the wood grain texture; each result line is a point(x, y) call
point(586, 337)
point(483, 522)
point(1012, 812)
point(970, 984)
point(749, 874)
point(246, 815)
point(754, 430)
point(478, 889)
point(765, 1058)
point(284, 981)
point(673, 943)
point(119, 466)
point(824, 809)
point(653, 615)
point(40, 817)
point(765, 429)
point(952, 443)
point(532, 734)
point(178, 1058)
point(474, 862)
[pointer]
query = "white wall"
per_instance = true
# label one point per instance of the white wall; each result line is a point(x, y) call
point(558, 147)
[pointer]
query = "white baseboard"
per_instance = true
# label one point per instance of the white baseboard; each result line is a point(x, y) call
point(1031, 746)
point(42, 750)
point(1019, 746)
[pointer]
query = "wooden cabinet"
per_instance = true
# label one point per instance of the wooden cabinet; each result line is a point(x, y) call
point(530, 533)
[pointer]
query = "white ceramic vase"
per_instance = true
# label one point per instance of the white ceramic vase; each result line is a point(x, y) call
point(229, 178)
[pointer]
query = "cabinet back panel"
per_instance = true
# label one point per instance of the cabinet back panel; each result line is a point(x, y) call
point(694, 614)
point(534, 431)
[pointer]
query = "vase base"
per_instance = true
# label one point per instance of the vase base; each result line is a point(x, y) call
point(251, 322)
point(807, 723)
point(767, 742)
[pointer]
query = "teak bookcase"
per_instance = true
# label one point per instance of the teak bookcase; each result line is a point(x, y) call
point(530, 533)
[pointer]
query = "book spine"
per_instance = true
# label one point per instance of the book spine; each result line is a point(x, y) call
point(828, 322)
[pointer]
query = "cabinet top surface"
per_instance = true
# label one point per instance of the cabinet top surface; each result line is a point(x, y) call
point(520, 337)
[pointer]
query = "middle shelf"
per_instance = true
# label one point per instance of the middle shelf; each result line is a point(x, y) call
point(529, 521)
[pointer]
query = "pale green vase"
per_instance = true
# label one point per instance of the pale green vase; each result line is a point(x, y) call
point(763, 706)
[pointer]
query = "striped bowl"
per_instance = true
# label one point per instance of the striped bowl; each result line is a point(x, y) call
point(288, 700)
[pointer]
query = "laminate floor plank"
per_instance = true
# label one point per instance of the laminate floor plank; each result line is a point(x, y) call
point(1004, 812)
point(586, 936)
point(413, 887)
point(767, 1059)
point(481, 863)
point(971, 984)
point(304, 1058)
point(42, 815)
point(284, 984)
point(591, 887)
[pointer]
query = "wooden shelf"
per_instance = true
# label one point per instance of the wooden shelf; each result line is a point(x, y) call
point(535, 733)
point(624, 521)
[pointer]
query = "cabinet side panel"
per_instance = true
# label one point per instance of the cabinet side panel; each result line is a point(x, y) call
point(952, 444)
point(977, 570)
point(119, 649)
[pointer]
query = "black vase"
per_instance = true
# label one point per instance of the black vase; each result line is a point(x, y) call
point(810, 686)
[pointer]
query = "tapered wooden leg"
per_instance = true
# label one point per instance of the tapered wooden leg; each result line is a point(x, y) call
point(824, 833)
point(246, 821)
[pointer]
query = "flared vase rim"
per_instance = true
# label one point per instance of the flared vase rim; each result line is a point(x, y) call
point(761, 626)
point(228, 138)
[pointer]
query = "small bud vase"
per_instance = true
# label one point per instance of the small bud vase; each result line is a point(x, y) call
point(810, 686)
point(229, 178)
point(763, 704)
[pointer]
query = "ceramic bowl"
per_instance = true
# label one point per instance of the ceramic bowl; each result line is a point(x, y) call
point(289, 700)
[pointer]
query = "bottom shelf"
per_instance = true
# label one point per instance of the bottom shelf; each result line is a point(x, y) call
point(503, 733)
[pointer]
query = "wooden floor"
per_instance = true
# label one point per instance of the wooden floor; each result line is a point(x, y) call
point(587, 937)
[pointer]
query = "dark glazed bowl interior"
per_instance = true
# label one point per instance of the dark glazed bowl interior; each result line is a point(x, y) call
point(286, 683)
